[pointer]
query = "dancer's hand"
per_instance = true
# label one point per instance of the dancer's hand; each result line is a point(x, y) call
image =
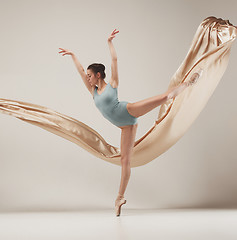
point(65, 52)
point(112, 35)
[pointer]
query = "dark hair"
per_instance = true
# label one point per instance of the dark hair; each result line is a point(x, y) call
point(98, 67)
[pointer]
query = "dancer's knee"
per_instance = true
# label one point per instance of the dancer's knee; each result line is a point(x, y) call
point(125, 161)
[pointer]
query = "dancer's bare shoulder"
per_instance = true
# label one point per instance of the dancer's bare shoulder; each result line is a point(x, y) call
point(113, 83)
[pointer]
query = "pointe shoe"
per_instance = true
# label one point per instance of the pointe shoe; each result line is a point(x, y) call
point(195, 77)
point(118, 204)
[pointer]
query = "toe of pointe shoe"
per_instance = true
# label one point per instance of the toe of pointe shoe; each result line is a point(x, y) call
point(196, 75)
point(200, 72)
point(118, 206)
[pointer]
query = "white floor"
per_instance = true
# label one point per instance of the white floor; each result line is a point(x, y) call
point(177, 224)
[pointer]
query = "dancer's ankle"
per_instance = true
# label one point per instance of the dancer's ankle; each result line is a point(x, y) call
point(120, 196)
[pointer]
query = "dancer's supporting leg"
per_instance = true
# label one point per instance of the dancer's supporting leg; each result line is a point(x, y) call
point(128, 135)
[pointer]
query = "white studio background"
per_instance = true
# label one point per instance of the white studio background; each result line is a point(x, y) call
point(42, 171)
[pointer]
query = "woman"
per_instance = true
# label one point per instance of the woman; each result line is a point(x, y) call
point(122, 114)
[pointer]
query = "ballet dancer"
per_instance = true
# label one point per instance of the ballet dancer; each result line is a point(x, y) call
point(122, 114)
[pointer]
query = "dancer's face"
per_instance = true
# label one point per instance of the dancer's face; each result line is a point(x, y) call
point(91, 77)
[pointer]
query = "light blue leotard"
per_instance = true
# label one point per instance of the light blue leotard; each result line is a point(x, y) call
point(113, 109)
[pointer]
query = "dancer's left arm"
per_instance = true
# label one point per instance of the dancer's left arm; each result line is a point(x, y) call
point(114, 64)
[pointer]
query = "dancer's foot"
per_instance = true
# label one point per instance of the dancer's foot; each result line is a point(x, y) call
point(118, 203)
point(195, 77)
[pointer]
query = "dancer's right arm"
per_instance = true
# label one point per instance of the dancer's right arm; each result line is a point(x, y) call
point(82, 73)
point(79, 68)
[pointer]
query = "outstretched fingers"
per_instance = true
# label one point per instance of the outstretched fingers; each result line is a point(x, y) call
point(114, 32)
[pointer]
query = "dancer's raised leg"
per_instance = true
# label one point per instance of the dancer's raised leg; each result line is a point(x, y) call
point(144, 106)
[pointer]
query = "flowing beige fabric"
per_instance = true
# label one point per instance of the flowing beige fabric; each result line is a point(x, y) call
point(210, 50)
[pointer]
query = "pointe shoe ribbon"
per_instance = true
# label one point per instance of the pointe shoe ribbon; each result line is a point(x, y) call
point(118, 204)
